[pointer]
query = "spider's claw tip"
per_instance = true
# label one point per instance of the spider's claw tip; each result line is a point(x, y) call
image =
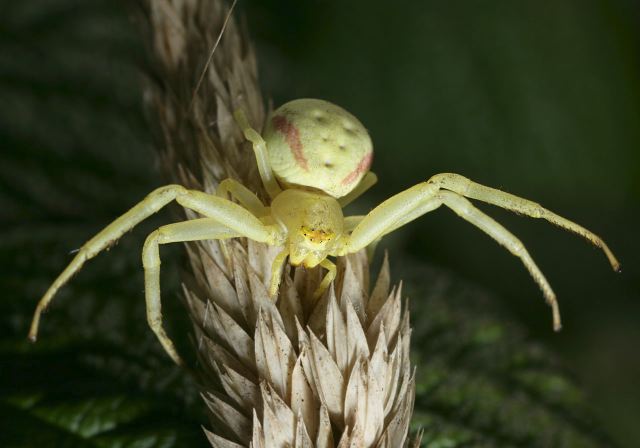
point(557, 323)
point(618, 268)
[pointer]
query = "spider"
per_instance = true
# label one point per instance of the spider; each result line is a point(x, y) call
point(314, 159)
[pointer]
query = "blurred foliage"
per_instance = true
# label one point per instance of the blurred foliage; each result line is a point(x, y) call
point(543, 100)
point(480, 381)
point(74, 152)
point(62, 394)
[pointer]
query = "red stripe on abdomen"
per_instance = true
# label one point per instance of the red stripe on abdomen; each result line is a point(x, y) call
point(292, 137)
point(363, 166)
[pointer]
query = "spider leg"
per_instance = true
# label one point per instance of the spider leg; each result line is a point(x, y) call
point(390, 214)
point(260, 148)
point(429, 204)
point(194, 230)
point(224, 211)
point(350, 222)
point(425, 207)
point(467, 211)
point(473, 190)
point(328, 278)
point(423, 198)
point(245, 196)
point(276, 271)
point(368, 181)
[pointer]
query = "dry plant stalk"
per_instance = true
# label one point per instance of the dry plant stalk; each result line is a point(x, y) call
point(296, 372)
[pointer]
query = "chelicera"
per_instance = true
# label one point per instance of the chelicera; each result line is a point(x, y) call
point(313, 158)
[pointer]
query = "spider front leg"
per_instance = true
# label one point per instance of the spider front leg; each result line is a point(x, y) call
point(467, 211)
point(423, 198)
point(474, 190)
point(389, 215)
point(350, 223)
point(225, 212)
point(195, 230)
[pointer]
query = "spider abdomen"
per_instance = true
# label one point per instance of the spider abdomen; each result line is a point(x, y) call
point(317, 144)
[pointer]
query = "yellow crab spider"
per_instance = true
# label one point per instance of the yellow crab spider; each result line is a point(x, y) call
point(313, 158)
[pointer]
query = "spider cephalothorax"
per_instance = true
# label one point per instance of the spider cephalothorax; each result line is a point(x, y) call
point(313, 160)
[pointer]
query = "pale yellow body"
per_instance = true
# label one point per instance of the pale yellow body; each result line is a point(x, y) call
point(306, 217)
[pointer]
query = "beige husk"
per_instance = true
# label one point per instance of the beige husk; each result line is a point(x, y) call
point(297, 372)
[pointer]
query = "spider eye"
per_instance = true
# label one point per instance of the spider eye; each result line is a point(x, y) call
point(316, 236)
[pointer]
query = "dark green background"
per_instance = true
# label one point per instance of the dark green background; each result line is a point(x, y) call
point(541, 99)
